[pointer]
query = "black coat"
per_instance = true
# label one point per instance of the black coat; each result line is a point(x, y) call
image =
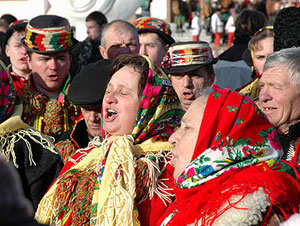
point(36, 179)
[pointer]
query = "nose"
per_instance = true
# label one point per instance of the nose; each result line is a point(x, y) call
point(124, 50)
point(173, 138)
point(187, 81)
point(264, 95)
point(23, 50)
point(94, 116)
point(52, 64)
point(110, 98)
point(143, 50)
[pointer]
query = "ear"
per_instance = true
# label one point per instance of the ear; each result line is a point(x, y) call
point(28, 62)
point(166, 48)
point(7, 50)
point(103, 52)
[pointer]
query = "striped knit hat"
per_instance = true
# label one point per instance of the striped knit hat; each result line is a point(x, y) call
point(151, 24)
point(49, 34)
point(7, 94)
point(187, 56)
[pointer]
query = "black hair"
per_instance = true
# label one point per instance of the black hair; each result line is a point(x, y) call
point(98, 17)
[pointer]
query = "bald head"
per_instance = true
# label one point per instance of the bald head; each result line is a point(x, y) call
point(119, 37)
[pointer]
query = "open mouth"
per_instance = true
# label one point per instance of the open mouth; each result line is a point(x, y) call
point(269, 108)
point(188, 95)
point(111, 113)
point(53, 77)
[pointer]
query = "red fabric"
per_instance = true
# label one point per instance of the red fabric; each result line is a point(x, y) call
point(219, 118)
point(247, 180)
point(150, 211)
point(223, 110)
point(195, 37)
point(230, 39)
point(217, 41)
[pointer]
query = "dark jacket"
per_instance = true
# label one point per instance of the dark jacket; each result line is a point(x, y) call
point(231, 70)
point(36, 178)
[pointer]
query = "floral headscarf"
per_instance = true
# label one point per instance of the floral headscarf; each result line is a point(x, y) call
point(235, 154)
point(7, 94)
point(110, 167)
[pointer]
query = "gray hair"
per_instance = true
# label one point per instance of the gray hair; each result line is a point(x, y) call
point(288, 58)
point(120, 27)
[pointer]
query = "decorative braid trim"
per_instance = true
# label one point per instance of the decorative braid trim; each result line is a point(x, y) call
point(9, 140)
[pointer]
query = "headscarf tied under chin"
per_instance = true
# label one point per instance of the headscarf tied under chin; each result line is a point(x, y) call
point(106, 176)
point(232, 169)
point(7, 94)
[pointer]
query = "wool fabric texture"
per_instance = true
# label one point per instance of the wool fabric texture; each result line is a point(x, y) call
point(158, 26)
point(49, 34)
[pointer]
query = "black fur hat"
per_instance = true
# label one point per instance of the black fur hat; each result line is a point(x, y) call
point(286, 28)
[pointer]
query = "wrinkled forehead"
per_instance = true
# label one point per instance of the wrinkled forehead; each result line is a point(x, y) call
point(121, 35)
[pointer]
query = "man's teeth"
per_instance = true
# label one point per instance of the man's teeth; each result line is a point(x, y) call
point(267, 109)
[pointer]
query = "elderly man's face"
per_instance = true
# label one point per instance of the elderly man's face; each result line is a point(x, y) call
point(185, 138)
point(92, 118)
point(279, 99)
point(188, 85)
point(119, 43)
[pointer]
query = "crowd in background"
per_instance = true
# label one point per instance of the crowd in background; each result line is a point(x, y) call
point(132, 127)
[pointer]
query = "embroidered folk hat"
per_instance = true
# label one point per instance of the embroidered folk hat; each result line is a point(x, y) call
point(88, 87)
point(49, 34)
point(187, 56)
point(158, 26)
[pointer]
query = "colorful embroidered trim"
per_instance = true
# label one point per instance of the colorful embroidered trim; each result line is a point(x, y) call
point(152, 23)
point(49, 39)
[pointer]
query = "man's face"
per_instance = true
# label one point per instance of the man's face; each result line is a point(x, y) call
point(93, 29)
point(151, 46)
point(185, 138)
point(119, 43)
point(92, 118)
point(279, 99)
point(188, 85)
point(49, 71)
point(17, 53)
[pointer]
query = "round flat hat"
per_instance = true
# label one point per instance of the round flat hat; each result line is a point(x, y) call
point(187, 56)
point(88, 87)
point(48, 34)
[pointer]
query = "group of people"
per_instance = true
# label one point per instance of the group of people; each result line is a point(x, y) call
point(141, 133)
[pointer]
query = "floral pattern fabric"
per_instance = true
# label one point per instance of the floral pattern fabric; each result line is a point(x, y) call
point(7, 93)
point(237, 152)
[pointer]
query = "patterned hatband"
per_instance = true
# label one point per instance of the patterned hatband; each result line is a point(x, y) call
point(54, 39)
point(188, 54)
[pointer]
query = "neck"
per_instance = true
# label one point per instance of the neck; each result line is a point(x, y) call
point(50, 94)
point(24, 74)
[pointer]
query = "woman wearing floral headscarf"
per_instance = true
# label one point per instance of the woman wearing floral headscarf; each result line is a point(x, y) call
point(103, 185)
point(230, 174)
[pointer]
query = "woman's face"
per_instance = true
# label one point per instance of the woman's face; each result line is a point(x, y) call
point(260, 56)
point(121, 102)
point(185, 138)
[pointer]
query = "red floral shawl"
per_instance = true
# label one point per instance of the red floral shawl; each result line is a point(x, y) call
point(236, 154)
